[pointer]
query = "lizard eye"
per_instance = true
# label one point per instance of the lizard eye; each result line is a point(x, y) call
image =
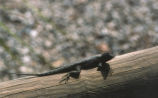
point(107, 56)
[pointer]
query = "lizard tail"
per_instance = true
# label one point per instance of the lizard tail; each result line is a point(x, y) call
point(25, 74)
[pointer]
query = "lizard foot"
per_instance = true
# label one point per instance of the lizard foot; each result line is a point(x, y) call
point(65, 78)
point(73, 74)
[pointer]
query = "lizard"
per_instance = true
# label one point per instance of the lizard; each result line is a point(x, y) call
point(74, 69)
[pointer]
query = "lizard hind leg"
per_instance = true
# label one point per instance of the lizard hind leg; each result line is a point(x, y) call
point(74, 74)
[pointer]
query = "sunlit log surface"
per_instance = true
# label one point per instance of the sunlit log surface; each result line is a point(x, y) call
point(134, 75)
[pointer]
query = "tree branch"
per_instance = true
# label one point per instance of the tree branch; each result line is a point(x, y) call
point(134, 76)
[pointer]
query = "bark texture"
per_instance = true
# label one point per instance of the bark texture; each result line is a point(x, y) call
point(134, 75)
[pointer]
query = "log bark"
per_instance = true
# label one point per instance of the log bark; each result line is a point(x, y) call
point(134, 75)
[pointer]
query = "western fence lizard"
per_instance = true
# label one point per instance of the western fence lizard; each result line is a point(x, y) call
point(75, 68)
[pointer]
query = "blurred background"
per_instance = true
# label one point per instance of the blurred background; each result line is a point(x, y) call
point(39, 35)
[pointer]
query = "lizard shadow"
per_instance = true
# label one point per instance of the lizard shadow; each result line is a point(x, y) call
point(105, 70)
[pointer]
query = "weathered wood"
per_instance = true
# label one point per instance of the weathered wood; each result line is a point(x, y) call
point(135, 75)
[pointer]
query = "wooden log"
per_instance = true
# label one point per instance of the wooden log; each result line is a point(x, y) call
point(135, 75)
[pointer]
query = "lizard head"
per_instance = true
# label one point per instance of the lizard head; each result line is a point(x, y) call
point(107, 56)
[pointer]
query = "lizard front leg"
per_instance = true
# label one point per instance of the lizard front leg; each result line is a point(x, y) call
point(100, 66)
point(73, 74)
point(105, 69)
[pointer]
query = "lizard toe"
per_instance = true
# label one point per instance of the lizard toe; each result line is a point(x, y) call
point(65, 78)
